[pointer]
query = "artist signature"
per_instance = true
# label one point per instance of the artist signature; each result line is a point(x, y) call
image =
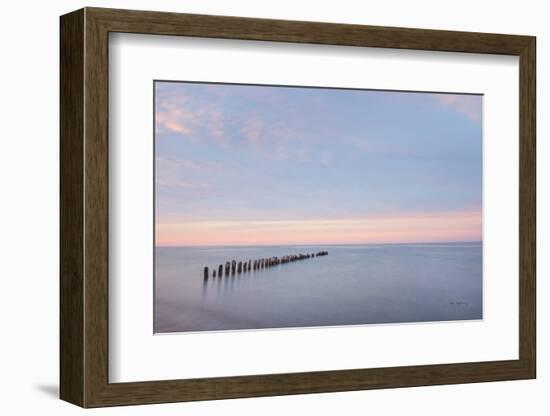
point(458, 303)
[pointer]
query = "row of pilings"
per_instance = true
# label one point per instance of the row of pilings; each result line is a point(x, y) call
point(233, 267)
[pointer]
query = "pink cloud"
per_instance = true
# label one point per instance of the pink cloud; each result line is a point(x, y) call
point(170, 116)
point(467, 105)
point(176, 127)
point(176, 115)
point(196, 120)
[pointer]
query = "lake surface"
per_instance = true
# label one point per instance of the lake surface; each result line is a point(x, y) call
point(352, 285)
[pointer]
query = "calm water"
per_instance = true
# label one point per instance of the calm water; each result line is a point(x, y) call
point(352, 285)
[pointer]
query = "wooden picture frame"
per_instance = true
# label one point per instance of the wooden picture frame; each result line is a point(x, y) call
point(84, 207)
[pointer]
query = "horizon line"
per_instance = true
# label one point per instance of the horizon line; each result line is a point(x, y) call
point(324, 244)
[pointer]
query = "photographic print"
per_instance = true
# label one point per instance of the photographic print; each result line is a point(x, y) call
point(292, 207)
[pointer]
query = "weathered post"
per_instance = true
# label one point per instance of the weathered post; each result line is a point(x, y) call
point(232, 267)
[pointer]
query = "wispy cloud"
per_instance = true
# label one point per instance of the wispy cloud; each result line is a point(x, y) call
point(251, 128)
point(171, 120)
point(184, 112)
point(171, 115)
point(173, 174)
point(176, 114)
point(467, 105)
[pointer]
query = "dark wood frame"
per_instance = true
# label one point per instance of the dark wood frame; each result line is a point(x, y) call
point(84, 207)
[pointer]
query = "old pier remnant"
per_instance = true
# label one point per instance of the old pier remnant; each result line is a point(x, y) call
point(245, 266)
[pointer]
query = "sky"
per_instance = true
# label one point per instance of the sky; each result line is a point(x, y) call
point(273, 165)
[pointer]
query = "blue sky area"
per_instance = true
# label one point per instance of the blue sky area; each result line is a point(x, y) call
point(240, 164)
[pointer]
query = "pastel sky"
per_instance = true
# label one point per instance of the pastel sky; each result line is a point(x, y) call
point(261, 165)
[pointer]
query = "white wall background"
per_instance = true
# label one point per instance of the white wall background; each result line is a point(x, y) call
point(29, 207)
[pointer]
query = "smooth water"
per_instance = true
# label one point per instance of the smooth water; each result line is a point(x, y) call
point(354, 284)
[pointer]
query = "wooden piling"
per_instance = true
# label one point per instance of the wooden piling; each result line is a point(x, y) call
point(232, 267)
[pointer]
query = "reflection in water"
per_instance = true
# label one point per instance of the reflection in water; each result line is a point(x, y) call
point(352, 285)
point(236, 278)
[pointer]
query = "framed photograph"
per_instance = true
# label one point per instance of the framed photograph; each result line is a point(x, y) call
point(254, 207)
